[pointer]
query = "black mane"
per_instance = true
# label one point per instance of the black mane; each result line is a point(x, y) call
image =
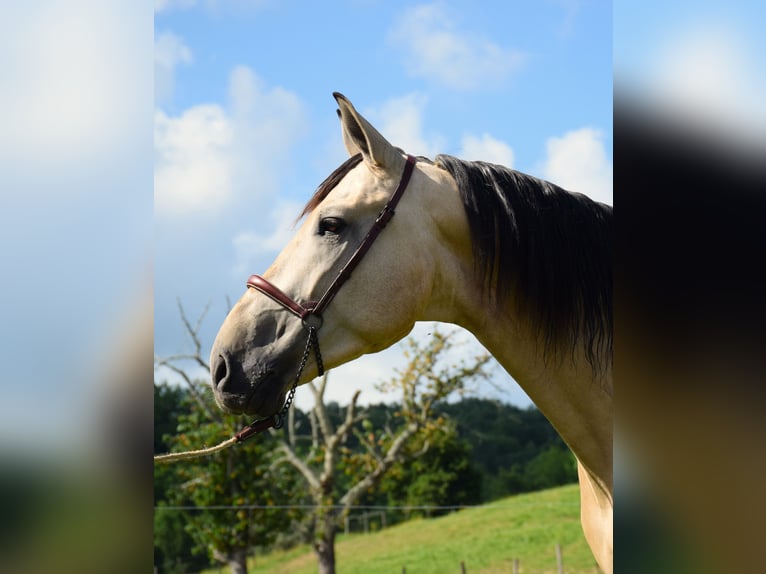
point(551, 248)
point(330, 182)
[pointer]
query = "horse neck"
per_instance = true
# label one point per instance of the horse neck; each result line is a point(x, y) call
point(575, 399)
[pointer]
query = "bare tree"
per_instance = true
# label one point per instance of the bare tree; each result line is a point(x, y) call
point(418, 387)
point(421, 385)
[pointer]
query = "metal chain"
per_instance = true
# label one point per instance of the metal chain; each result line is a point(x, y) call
point(312, 342)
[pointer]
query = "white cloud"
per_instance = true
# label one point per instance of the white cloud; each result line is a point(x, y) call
point(250, 246)
point(437, 51)
point(193, 161)
point(577, 161)
point(267, 120)
point(400, 120)
point(209, 156)
point(486, 148)
point(169, 51)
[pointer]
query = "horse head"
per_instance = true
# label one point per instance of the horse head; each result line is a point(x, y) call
point(264, 337)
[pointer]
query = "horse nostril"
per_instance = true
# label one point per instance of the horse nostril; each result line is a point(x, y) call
point(220, 372)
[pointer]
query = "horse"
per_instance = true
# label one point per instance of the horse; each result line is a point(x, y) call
point(521, 263)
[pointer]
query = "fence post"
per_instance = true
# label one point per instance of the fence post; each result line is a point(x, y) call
point(462, 567)
point(559, 559)
point(515, 566)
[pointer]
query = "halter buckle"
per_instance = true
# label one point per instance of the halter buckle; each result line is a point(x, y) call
point(312, 320)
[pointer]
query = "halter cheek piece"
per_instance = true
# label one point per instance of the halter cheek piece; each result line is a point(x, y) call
point(310, 313)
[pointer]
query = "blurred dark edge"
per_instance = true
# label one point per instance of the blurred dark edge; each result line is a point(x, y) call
point(84, 504)
point(690, 200)
point(88, 511)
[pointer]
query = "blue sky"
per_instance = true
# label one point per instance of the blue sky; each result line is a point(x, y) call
point(245, 124)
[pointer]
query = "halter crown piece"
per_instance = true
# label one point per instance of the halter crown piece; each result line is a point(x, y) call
point(310, 313)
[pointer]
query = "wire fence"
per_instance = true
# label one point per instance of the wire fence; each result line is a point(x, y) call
point(516, 504)
point(359, 518)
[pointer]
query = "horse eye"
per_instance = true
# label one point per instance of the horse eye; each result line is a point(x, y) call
point(332, 225)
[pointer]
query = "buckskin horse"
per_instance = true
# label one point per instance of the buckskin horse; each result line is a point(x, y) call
point(521, 263)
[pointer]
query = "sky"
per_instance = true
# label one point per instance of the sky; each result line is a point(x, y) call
point(245, 128)
point(164, 150)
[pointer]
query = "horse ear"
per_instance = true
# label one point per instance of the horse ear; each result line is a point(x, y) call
point(360, 137)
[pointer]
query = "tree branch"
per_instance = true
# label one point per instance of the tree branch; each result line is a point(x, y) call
point(320, 410)
point(351, 418)
point(301, 466)
point(332, 442)
point(214, 415)
point(194, 333)
point(368, 445)
point(314, 430)
point(371, 479)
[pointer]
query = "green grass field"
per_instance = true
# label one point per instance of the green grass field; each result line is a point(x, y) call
point(486, 539)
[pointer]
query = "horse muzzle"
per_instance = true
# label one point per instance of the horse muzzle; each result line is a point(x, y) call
point(242, 389)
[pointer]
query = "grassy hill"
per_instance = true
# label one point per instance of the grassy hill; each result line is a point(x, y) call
point(487, 539)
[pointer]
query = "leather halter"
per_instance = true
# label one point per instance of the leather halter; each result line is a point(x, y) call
point(310, 313)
